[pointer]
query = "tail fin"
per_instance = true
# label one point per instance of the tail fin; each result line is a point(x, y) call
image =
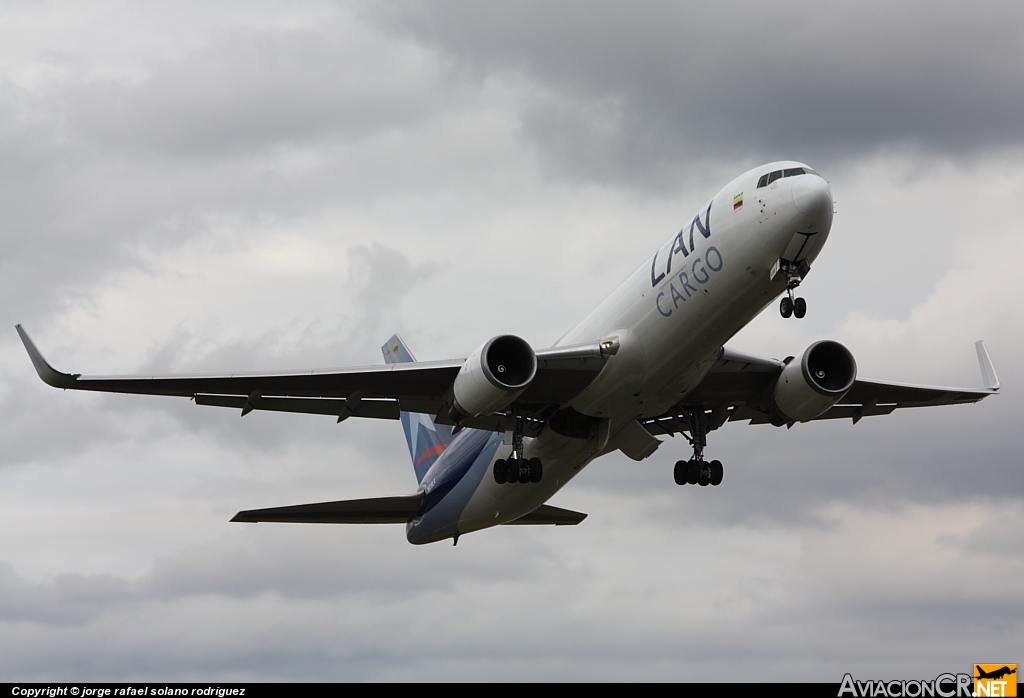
point(426, 440)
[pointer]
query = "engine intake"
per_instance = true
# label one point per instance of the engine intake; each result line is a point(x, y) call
point(494, 375)
point(812, 383)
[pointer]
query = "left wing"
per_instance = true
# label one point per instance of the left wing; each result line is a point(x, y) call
point(739, 387)
point(366, 391)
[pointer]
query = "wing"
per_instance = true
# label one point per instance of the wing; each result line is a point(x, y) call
point(740, 387)
point(366, 391)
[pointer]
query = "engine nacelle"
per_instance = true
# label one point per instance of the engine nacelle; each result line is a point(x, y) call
point(494, 375)
point(814, 381)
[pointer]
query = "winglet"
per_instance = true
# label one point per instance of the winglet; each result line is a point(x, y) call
point(988, 371)
point(48, 373)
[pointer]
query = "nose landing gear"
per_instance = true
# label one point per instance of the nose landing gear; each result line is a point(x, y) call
point(790, 305)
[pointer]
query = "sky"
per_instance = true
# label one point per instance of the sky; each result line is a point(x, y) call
point(197, 187)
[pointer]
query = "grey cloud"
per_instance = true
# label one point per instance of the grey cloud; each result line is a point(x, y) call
point(677, 84)
point(38, 423)
point(98, 172)
point(787, 478)
point(378, 278)
point(69, 599)
point(331, 604)
point(246, 91)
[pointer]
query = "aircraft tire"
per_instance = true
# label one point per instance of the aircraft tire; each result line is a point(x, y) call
point(536, 470)
point(500, 471)
point(716, 473)
point(524, 472)
point(799, 307)
point(692, 472)
point(679, 473)
point(786, 307)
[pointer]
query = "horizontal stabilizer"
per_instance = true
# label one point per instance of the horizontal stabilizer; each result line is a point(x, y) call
point(352, 511)
point(549, 515)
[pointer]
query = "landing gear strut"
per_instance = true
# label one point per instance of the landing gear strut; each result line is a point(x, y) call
point(517, 468)
point(790, 305)
point(697, 471)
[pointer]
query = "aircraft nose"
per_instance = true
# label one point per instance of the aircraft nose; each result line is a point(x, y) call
point(812, 196)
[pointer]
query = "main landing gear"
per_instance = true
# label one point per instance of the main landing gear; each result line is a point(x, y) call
point(698, 471)
point(517, 468)
point(790, 305)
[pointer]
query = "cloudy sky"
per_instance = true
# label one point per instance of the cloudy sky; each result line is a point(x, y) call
point(246, 186)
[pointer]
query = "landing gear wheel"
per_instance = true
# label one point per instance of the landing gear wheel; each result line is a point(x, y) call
point(536, 470)
point(692, 471)
point(786, 306)
point(500, 471)
point(799, 307)
point(679, 473)
point(716, 473)
point(524, 472)
point(705, 476)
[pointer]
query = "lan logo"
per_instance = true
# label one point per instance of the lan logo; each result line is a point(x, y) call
point(995, 680)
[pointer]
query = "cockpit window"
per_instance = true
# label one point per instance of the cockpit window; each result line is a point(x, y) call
point(779, 174)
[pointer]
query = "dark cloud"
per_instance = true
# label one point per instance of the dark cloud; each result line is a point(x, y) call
point(642, 92)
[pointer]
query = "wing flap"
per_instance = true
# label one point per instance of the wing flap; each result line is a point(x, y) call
point(350, 511)
point(335, 407)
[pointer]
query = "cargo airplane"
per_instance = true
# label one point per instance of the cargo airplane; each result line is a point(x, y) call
point(494, 436)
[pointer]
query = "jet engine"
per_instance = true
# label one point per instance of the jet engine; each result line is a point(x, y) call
point(494, 375)
point(814, 381)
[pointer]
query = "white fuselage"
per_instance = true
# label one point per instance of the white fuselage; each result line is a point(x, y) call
point(671, 316)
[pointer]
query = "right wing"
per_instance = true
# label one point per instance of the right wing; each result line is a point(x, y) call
point(365, 391)
point(738, 387)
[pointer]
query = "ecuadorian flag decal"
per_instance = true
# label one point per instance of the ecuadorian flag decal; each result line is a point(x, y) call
point(737, 202)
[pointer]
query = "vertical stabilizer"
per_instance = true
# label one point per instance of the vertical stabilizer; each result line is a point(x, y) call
point(426, 440)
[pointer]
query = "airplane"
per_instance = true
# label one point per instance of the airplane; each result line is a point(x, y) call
point(995, 674)
point(494, 436)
